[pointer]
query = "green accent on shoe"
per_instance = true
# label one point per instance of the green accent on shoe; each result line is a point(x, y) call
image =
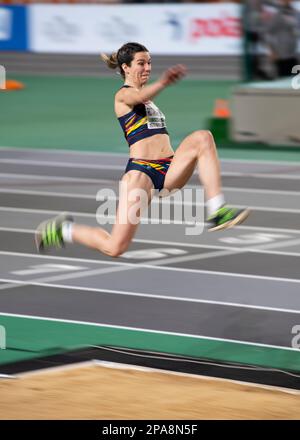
point(49, 233)
point(226, 217)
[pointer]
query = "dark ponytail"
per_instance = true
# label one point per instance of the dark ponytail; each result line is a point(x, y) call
point(124, 55)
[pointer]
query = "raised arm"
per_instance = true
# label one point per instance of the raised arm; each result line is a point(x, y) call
point(131, 96)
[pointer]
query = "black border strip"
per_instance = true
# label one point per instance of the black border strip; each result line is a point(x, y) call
point(163, 361)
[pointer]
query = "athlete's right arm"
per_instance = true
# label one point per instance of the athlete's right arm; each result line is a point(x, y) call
point(131, 96)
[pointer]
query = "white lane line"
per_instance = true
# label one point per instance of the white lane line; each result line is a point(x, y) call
point(262, 162)
point(12, 284)
point(20, 230)
point(49, 152)
point(47, 193)
point(292, 242)
point(155, 267)
point(157, 332)
point(251, 207)
point(202, 256)
point(45, 211)
point(226, 249)
point(221, 253)
point(45, 178)
point(48, 283)
point(52, 212)
point(195, 257)
point(49, 163)
point(261, 175)
point(113, 154)
point(87, 196)
point(267, 229)
point(258, 191)
point(121, 167)
point(80, 214)
point(163, 201)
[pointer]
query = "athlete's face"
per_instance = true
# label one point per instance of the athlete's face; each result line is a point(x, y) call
point(139, 71)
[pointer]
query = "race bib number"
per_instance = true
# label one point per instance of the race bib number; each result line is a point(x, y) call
point(155, 118)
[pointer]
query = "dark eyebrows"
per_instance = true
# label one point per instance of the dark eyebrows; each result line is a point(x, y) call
point(143, 60)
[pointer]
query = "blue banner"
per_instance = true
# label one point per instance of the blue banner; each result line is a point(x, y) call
point(13, 28)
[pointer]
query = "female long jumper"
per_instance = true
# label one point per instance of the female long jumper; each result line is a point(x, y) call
point(152, 162)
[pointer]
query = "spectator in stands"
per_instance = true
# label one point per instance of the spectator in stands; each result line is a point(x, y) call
point(282, 36)
point(255, 20)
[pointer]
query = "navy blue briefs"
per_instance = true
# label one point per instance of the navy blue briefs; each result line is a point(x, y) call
point(155, 169)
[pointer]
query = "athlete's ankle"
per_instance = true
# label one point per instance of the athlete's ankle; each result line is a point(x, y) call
point(67, 232)
point(214, 204)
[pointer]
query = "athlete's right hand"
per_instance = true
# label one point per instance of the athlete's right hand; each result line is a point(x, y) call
point(173, 74)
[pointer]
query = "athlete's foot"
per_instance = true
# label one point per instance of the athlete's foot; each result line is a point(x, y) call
point(226, 217)
point(49, 233)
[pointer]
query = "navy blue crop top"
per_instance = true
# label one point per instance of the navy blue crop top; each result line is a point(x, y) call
point(144, 120)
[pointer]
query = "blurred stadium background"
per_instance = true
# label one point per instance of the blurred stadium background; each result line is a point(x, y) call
point(59, 95)
point(50, 47)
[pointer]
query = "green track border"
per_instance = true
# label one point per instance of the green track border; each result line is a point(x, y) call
point(32, 337)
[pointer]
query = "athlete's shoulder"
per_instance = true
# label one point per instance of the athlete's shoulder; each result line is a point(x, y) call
point(119, 95)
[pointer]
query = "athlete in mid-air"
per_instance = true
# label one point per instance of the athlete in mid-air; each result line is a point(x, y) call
point(152, 165)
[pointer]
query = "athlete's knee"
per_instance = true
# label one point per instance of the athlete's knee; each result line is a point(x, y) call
point(203, 140)
point(203, 136)
point(117, 249)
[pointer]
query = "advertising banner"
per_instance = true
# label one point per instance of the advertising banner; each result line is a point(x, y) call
point(13, 28)
point(188, 29)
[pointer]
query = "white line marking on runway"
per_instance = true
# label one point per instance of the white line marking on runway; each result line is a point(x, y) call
point(155, 200)
point(261, 175)
point(46, 211)
point(48, 152)
point(258, 190)
point(81, 274)
point(121, 168)
point(144, 220)
point(45, 178)
point(222, 253)
point(241, 227)
point(49, 163)
point(208, 246)
point(46, 268)
point(292, 242)
point(93, 197)
point(48, 283)
point(47, 193)
point(113, 154)
point(163, 221)
point(43, 163)
point(23, 231)
point(62, 276)
point(155, 267)
point(262, 162)
point(119, 327)
point(267, 229)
